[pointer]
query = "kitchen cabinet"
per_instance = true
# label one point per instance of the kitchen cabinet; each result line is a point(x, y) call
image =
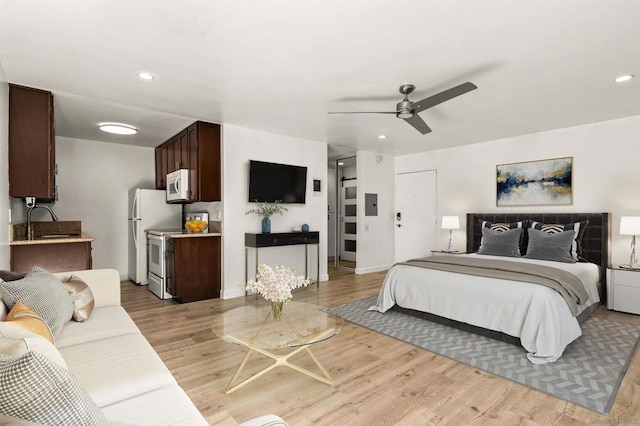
point(196, 268)
point(32, 161)
point(161, 167)
point(204, 161)
point(196, 148)
point(71, 255)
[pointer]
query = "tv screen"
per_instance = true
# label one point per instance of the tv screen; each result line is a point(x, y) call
point(270, 182)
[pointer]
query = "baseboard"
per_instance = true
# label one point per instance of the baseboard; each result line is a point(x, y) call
point(231, 294)
point(372, 269)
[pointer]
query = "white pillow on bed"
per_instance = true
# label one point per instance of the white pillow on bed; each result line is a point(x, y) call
point(501, 243)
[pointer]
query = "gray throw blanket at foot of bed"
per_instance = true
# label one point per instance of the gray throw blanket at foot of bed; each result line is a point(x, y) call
point(565, 283)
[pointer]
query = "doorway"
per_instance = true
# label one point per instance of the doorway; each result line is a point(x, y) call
point(416, 215)
point(343, 241)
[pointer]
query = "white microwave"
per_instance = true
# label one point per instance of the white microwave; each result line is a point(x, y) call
point(178, 186)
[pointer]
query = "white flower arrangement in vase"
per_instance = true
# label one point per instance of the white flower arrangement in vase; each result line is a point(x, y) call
point(276, 286)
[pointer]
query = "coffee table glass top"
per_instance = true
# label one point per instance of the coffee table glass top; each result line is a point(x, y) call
point(253, 324)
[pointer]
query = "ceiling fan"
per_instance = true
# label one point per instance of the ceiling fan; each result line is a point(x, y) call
point(408, 110)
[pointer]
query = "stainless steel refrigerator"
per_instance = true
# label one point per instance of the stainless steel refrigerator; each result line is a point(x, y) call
point(148, 209)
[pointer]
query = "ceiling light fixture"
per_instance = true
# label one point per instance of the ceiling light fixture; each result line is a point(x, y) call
point(118, 128)
point(624, 78)
point(382, 136)
point(143, 75)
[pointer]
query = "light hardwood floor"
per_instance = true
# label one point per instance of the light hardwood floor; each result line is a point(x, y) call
point(379, 380)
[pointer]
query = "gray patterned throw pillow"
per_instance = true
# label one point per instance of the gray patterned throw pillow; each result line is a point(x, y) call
point(546, 246)
point(501, 243)
point(42, 292)
point(34, 388)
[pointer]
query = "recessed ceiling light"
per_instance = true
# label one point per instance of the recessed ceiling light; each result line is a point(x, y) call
point(340, 164)
point(382, 136)
point(118, 128)
point(624, 78)
point(143, 75)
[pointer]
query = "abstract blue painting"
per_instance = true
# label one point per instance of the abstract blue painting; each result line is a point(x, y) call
point(543, 182)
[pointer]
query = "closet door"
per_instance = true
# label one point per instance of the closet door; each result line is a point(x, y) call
point(348, 221)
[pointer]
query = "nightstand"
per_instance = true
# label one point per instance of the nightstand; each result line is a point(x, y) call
point(623, 289)
point(445, 252)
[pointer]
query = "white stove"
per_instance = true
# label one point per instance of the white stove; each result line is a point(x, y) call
point(161, 260)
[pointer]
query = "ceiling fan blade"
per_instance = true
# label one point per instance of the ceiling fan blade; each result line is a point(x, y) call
point(443, 96)
point(418, 123)
point(361, 112)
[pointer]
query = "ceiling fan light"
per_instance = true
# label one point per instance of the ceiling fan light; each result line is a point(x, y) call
point(404, 114)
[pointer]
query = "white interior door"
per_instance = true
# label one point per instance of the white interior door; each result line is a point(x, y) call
point(416, 215)
point(348, 220)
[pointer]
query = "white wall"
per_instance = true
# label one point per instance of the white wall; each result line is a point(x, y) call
point(606, 176)
point(93, 180)
point(376, 175)
point(239, 146)
point(5, 203)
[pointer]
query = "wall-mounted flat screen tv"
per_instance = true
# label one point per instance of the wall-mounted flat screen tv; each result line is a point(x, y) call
point(270, 182)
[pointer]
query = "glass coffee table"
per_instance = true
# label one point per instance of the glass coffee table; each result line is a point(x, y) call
point(301, 325)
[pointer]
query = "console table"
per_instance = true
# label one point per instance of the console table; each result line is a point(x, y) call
point(258, 241)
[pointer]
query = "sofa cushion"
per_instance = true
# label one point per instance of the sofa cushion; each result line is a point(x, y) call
point(117, 368)
point(17, 341)
point(34, 388)
point(44, 293)
point(23, 316)
point(166, 405)
point(105, 322)
point(81, 297)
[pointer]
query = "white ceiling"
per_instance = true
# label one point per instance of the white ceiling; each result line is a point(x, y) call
point(281, 65)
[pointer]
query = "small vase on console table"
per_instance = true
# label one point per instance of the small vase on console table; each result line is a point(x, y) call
point(266, 225)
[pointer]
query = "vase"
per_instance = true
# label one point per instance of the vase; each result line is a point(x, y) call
point(266, 225)
point(276, 309)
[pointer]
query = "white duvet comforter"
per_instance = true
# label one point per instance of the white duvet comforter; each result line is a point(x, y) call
point(536, 314)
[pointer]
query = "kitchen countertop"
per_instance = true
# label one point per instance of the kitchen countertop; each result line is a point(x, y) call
point(203, 234)
point(84, 237)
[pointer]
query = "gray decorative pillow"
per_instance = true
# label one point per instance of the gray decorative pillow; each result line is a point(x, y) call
point(501, 243)
point(36, 389)
point(545, 246)
point(11, 276)
point(42, 292)
point(578, 229)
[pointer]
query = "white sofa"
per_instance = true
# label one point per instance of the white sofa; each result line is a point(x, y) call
point(117, 366)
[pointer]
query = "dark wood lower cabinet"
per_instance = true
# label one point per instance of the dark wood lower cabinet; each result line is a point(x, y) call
point(196, 268)
point(55, 257)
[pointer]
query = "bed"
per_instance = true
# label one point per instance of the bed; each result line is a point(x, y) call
point(543, 317)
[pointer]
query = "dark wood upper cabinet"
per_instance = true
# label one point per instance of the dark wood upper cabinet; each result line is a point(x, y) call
point(161, 168)
point(32, 164)
point(196, 148)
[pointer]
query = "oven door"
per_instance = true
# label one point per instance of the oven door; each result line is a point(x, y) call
point(156, 245)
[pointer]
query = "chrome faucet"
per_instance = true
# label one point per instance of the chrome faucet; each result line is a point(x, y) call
point(31, 206)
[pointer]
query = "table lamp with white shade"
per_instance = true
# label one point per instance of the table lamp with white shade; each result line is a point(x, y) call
point(450, 223)
point(630, 225)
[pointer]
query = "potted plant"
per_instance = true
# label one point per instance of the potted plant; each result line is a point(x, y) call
point(266, 210)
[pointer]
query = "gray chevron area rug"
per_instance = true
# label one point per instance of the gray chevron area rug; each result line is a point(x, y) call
point(588, 374)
